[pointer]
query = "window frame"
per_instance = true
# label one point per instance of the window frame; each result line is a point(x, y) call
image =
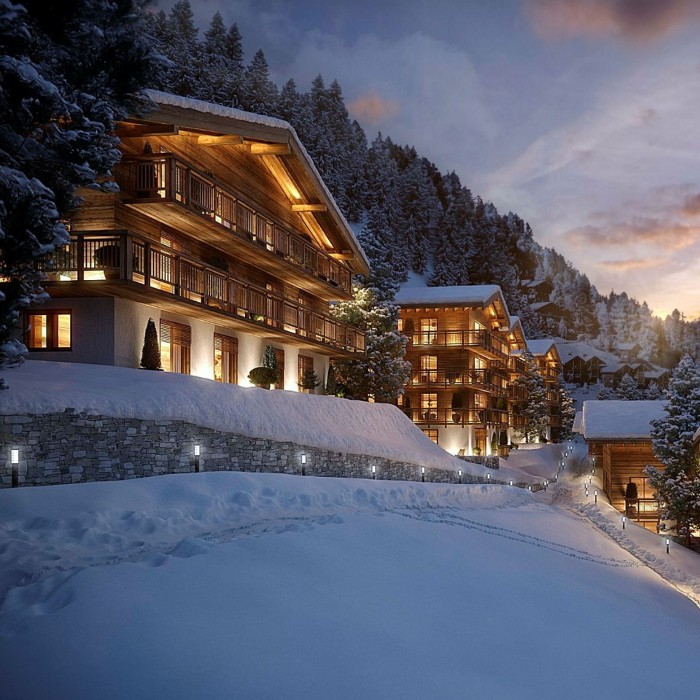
point(51, 329)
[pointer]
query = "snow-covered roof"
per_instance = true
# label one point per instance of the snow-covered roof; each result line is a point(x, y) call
point(569, 350)
point(578, 421)
point(239, 115)
point(534, 283)
point(656, 373)
point(620, 420)
point(481, 294)
point(541, 346)
point(539, 305)
point(614, 367)
point(625, 346)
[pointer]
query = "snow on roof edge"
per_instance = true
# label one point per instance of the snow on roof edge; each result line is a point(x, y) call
point(167, 98)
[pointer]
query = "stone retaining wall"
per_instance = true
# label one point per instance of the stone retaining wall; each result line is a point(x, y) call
point(69, 447)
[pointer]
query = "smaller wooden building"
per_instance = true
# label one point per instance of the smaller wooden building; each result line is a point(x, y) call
point(618, 437)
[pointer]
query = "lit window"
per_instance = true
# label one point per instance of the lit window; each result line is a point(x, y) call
point(432, 433)
point(428, 330)
point(225, 359)
point(175, 343)
point(50, 330)
point(428, 368)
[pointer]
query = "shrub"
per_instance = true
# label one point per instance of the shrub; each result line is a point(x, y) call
point(150, 355)
point(262, 376)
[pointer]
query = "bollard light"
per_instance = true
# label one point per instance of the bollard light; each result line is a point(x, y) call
point(422, 473)
point(529, 488)
point(624, 520)
point(595, 493)
point(510, 483)
point(197, 452)
point(303, 458)
point(668, 544)
point(459, 472)
point(14, 460)
point(374, 471)
point(488, 476)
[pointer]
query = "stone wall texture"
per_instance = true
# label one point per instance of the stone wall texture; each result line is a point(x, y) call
point(69, 448)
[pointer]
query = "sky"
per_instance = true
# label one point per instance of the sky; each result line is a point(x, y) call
point(582, 116)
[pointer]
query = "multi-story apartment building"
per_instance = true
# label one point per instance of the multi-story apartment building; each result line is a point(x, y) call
point(224, 233)
point(460, 341)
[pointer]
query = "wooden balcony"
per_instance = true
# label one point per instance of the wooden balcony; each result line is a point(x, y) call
point(164, 187)
point(122, 264)
point(481, 341)
point(460, 416)
point(482, 379)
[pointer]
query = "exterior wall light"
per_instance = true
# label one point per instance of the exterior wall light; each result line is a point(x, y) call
point(197, 452)
point(374, 471)
point(14, 461)
point(422, 473)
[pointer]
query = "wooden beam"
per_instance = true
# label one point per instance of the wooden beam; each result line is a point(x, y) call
point(309, 207)
point(270, 149)
point(228, 140)
point(342, 255)
point(127, 131)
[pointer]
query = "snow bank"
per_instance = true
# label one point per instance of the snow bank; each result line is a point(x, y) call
point(326, 422)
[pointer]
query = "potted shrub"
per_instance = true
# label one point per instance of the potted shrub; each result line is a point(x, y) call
point(309, 380)
point(108, 259)
point(262, 377)
point(150, 355)
point(477, 451)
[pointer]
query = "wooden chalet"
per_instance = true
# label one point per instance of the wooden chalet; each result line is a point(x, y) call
point(618, 437)
point(224, 233)
point(459, 345)
point(582, 363)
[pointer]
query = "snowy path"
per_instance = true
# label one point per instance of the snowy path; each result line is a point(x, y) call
point(680, 568)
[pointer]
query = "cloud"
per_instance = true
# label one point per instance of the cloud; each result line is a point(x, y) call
point(372, 109)
point(633, 263)
point(632, 20)
point(661, 234)
point(691, 206)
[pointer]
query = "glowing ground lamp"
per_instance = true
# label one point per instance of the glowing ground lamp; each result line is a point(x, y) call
point(488, 477)
point(422, 473)
point(510, 483)
point(459, 473)
point(374, 471)
point(14, 461)
point(197, 452)
point(624, 520)
point(303, 463)
point(668, 544)
point(595, 494)
point(529, 488)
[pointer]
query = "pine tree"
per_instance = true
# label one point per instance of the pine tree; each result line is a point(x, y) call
point(382, 373)
point(568, 413)
point(150, 355)
point(69, 72)
point(258, 92)
point(535, 407)
point(628, 389)
point(678, 484)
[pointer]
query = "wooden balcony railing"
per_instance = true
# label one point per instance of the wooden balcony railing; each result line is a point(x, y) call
point(172, 179)
point(483, 379)
point(462, 339)
point(460, 416)
point(642, 509)
point(124, 256)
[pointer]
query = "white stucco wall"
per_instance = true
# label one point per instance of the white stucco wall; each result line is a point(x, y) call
point(130, 319)
point(92, 321)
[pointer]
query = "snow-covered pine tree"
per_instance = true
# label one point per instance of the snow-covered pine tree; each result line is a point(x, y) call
point(69, 72)
point(678, 484)
point(653, 392)
point(567, 412)
point(535, 407)
point(382, 373)
point(628, 389)
point(258, 92)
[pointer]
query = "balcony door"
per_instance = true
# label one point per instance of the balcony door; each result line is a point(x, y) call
point(175, 347)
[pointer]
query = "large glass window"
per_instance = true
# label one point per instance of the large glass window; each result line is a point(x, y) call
point(306, 366)
point(225, 359)
point(175, 344)
point(428, 330)
point(428, 368)
point(50, 330)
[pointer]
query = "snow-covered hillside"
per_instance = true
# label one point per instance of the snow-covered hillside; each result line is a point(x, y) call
point(230, 585)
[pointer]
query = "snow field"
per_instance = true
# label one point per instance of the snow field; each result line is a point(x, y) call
point(273, 586)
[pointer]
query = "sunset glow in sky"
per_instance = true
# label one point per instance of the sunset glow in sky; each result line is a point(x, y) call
point(583, 116)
